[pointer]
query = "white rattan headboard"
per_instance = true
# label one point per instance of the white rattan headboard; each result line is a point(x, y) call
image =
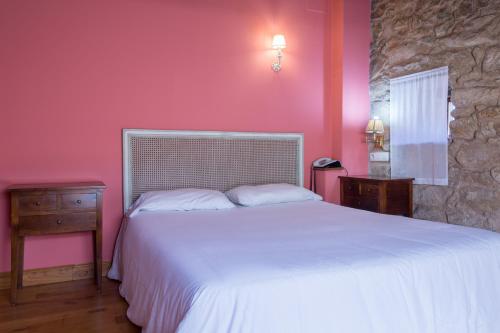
point(165, 160)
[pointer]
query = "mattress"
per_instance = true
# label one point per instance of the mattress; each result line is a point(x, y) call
point(306, 267)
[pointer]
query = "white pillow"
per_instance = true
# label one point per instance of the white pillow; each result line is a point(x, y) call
point(250, 196)
point(182, 199)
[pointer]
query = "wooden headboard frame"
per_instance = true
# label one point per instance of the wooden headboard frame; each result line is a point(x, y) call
point(164, 160)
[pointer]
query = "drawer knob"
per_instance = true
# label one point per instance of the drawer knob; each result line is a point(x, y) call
point(37, 203)
point(78, 202)
point(59, 221)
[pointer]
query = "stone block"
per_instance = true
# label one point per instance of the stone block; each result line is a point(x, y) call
point(491, 62)
point(464, 128)
point(467, 97)
point(479, 156)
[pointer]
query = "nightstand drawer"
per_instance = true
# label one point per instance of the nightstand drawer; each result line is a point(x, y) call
point(351, 188)
point(377, 194)
point(56, 223)
point(370, 190)
point(361, 202)
point(369, 203)
point(37, 203)
point(78, 200)
point(351, 201)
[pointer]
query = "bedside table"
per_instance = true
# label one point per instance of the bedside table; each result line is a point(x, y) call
point(46, 209)
point(384, 195)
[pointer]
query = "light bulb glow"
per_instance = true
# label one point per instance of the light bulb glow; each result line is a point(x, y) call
point(279, 42)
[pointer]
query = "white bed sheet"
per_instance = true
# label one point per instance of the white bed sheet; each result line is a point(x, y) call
point(308, 267)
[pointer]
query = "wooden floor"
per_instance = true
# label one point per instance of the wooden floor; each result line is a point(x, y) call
point(66, 307)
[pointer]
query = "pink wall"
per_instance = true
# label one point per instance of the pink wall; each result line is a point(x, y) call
point(347, 79)
point(350, 47)
point(355, 95)
point(74, 73)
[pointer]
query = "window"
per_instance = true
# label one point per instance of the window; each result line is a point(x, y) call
point(419, 126)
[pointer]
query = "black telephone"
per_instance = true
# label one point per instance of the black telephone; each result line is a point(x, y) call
point(322, 163)
point(326, 162)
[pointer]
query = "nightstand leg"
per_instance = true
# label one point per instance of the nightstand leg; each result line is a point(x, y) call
point(14, 270)
point(20, 265)
point(97, 258)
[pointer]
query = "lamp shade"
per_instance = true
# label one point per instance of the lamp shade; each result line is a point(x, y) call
point(375, 125)
point(279, 42)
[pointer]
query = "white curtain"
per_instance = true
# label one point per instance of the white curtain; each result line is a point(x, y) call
point(419, 126)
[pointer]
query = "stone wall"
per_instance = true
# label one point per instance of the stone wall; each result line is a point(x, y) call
point(413, 36)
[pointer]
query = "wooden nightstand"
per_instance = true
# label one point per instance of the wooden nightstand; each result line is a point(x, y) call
point(378, 194)
point(43, 209)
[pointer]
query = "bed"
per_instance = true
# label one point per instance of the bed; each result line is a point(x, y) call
point(292, 267)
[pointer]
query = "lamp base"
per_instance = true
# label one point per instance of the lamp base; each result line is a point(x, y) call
point(376, 139)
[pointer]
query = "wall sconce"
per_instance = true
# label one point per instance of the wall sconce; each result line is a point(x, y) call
point(279, 43)
point(375, 132)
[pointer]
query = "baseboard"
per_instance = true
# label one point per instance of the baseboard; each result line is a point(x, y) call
point(34, 277)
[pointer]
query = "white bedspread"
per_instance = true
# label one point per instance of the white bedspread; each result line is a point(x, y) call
point(307, 267)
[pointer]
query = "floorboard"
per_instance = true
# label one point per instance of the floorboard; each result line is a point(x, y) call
point(66, 307)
